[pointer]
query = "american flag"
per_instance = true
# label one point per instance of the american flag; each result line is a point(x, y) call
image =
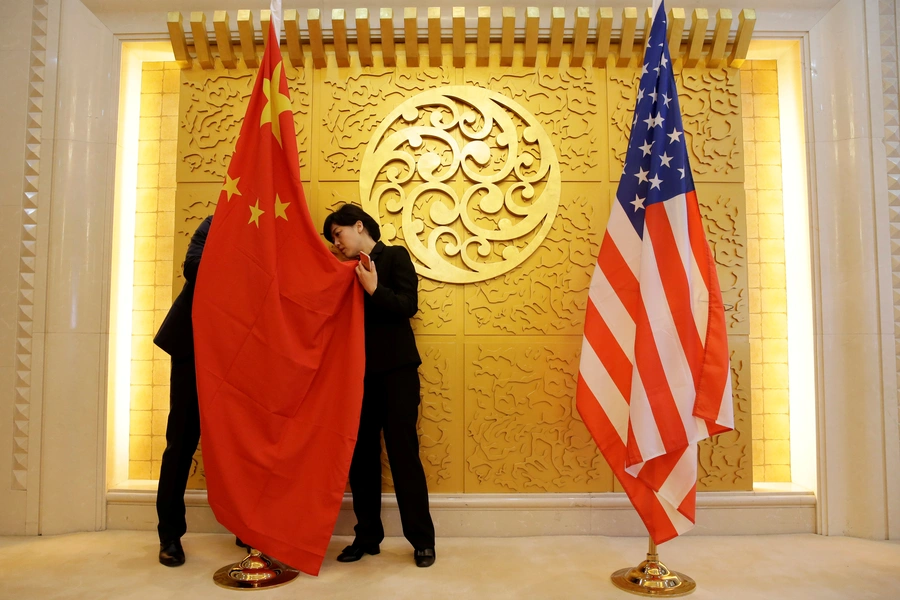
point(655, 377)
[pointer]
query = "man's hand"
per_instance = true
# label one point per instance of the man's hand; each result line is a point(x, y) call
point(367, 277)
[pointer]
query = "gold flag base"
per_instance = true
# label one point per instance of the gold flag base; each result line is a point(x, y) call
point(255, 572)
point(652, 578)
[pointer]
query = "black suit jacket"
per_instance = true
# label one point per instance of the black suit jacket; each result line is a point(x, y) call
point(390, 342)
point(176, 334)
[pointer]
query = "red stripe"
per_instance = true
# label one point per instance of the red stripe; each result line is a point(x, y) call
point(716, 360)
point(647, 360)
point(619, 275)
point(608, 350)
point(715, 429)
point(659, 395)
point(645, 502)
point(633, 454)
point(699, 245)
point(675, 283)
point(688, 506)
point(655, 472)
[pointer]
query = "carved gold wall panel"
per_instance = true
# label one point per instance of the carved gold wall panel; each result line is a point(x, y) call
point(549, 295)
point(212, 108)
point(569, 102)
point(353, 101)
point(500, 355)
point(523, 433)
point(711, 113)
point(725, 461)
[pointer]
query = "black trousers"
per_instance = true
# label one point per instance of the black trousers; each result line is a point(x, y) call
point(182, 436)
point(390, 403)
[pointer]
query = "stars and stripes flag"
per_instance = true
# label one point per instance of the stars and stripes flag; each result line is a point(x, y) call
point(655, 376)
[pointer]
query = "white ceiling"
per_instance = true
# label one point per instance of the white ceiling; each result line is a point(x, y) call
point(145, 16)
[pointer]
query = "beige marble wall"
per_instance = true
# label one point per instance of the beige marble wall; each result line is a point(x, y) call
point(81, 151)
point(889, 219)
point(854, 344)
point(769, 400)
point(15, 49)
point(153, 264)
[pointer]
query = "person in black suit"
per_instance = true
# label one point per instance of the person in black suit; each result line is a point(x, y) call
point(176, 338)
point(391, 391)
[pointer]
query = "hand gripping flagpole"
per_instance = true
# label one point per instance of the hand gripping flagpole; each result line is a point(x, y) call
point(652, 578)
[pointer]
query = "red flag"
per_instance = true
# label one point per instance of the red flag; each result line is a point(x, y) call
point(278, 336)
point(655, 377)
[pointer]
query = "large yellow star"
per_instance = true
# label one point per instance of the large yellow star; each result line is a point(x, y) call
point(280, 208)
point(276, 103)
point(255, 213)
point(231, 187)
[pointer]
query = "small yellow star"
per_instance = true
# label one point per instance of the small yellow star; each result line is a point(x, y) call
point(231, 186)
point(276, 103)
point(255, 213)
point(280, 208)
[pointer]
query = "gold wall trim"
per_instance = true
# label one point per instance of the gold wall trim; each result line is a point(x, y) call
point(352, 40)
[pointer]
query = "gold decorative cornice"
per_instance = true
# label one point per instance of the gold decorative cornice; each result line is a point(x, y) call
point(354, 40)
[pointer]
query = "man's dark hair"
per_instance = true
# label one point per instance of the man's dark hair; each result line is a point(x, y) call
point(349, 214)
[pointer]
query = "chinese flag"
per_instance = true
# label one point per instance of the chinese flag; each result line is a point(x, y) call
point(278, 336)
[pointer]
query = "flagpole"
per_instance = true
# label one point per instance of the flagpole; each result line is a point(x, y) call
point(652, 578)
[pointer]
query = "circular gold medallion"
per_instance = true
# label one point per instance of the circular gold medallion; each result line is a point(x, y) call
point(465, 178)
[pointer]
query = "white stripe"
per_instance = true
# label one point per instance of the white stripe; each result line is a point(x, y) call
point(643, 424)
point(604, 389)
point(702, 430)
point(682, 478)
point(676, 209)
point(625, 237)
point(613, 312)
point(726, 409)
point(668, 344)
point(681, 523)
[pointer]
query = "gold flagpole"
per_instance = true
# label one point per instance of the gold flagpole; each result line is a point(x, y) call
point(652, 578)
point(257, 571)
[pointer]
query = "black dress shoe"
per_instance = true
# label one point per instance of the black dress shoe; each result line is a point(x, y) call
point(240, 544)
point(171, 553)
point(424, 558)
point(354, 552)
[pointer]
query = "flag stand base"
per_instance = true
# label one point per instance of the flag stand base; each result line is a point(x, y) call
point(257, 571)
point(652, 578)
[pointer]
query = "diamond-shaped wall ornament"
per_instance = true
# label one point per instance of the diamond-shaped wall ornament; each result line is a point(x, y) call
point(893, 182)
point(892, 134)
point(890, 102)
point(893, 197)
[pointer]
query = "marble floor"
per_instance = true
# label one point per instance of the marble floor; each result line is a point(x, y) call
point(122, 565)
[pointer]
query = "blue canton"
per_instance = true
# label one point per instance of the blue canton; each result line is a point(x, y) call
point(656, 163)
